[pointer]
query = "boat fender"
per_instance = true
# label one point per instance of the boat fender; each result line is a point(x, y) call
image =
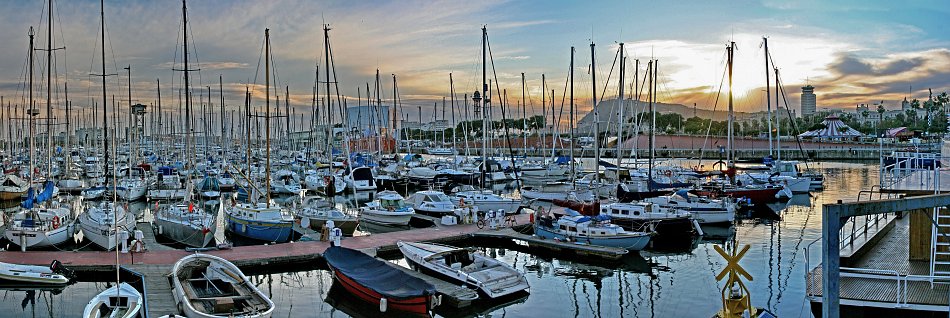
point(699, 229)
point(305, 222)
point(161, 230)
point(56, 222)
point(436, 300)
point(382, 304)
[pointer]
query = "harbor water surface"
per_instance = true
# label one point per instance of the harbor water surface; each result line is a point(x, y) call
point(675, 280)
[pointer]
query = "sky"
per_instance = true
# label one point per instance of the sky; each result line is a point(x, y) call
point(852, 51)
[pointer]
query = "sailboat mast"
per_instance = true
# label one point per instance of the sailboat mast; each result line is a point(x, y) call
point(484, 105)
point(573, 165)
point(267, 110)
point(593, 81)
point(105, 101)
point(524, 117)
point(778, 127)
point(49, 89)
point(543, 107)
point(221, 100)
point(650, 147)
point(32, 112)
point(620, 118)
point(768, 99)
point(729, 155)
point(188, 129)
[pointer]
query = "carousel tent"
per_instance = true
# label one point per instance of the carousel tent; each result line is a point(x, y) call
point(834, 129)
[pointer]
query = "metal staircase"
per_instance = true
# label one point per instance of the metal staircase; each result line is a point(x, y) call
point(940, 243)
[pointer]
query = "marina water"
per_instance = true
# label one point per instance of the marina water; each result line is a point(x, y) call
point(664, 281)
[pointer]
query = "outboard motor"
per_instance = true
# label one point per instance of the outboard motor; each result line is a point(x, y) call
point(59, 268)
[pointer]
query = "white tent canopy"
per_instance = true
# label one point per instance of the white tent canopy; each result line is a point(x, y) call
point(834, 129)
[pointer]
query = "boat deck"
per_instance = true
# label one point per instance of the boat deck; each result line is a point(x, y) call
point(889, 254)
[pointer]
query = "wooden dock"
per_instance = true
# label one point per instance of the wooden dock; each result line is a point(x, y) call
point(158, 289)
point(151, 243)
point(601, 252)
point(889, 258)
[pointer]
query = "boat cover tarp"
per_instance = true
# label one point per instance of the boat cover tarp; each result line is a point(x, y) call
point(376, 274)
point(588, 209)
point(562, 160)
point(28, 202)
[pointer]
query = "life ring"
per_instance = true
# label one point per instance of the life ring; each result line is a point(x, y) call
point(56, 222)
point(668, 173)
point(138, 246)
point(461, 202)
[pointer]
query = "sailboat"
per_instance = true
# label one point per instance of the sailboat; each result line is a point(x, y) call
point(121, 300)
point(264, 221)
point(51, 223)
point(45, 226)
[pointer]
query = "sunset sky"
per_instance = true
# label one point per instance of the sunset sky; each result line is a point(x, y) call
point(851, 51)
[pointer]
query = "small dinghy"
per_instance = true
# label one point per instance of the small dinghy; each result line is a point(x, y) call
point(120, 301)
point(374, 281)
point(210, 286)
point(55, 274)
point(488, 275)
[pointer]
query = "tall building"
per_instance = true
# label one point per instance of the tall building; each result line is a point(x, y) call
point(808, 100)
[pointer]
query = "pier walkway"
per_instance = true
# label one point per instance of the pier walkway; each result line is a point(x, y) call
point(246, 255)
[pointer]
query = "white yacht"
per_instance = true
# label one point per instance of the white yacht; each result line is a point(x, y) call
point(185, 223)
point(434, 203)
point(389, 208)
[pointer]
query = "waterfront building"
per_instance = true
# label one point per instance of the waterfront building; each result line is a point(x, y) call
point(809, 101)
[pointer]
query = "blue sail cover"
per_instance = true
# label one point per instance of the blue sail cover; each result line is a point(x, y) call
point(376, 274)
point(562, 160)
point(28, 202)
point(684, 193)
point(46, 194)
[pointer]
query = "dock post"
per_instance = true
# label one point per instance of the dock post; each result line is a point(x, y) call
point(831, 262)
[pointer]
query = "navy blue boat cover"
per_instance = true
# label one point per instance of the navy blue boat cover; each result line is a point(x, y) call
point(376, 274)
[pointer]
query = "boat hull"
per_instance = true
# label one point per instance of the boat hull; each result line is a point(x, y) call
point(279, 232)
point(184, 234)
point(631, 243)
point(417, 305)
point(37, 239)
point(382, 217)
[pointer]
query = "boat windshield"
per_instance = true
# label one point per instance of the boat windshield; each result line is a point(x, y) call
point(391, 204)
point(439, 197)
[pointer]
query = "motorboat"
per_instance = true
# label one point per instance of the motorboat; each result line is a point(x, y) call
point(209, 286)
point(432, 203)
point(591, 231)
point(316, 212)
point(485, 200)
point(489, 276)
point(642, 216)
point(119, 301)
point(389, 208)
point(377, 282)
point(703, 210)
point(533, 193)
point(361, 179)
point(285, 182)
point(55, 274)
point(185, 223)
